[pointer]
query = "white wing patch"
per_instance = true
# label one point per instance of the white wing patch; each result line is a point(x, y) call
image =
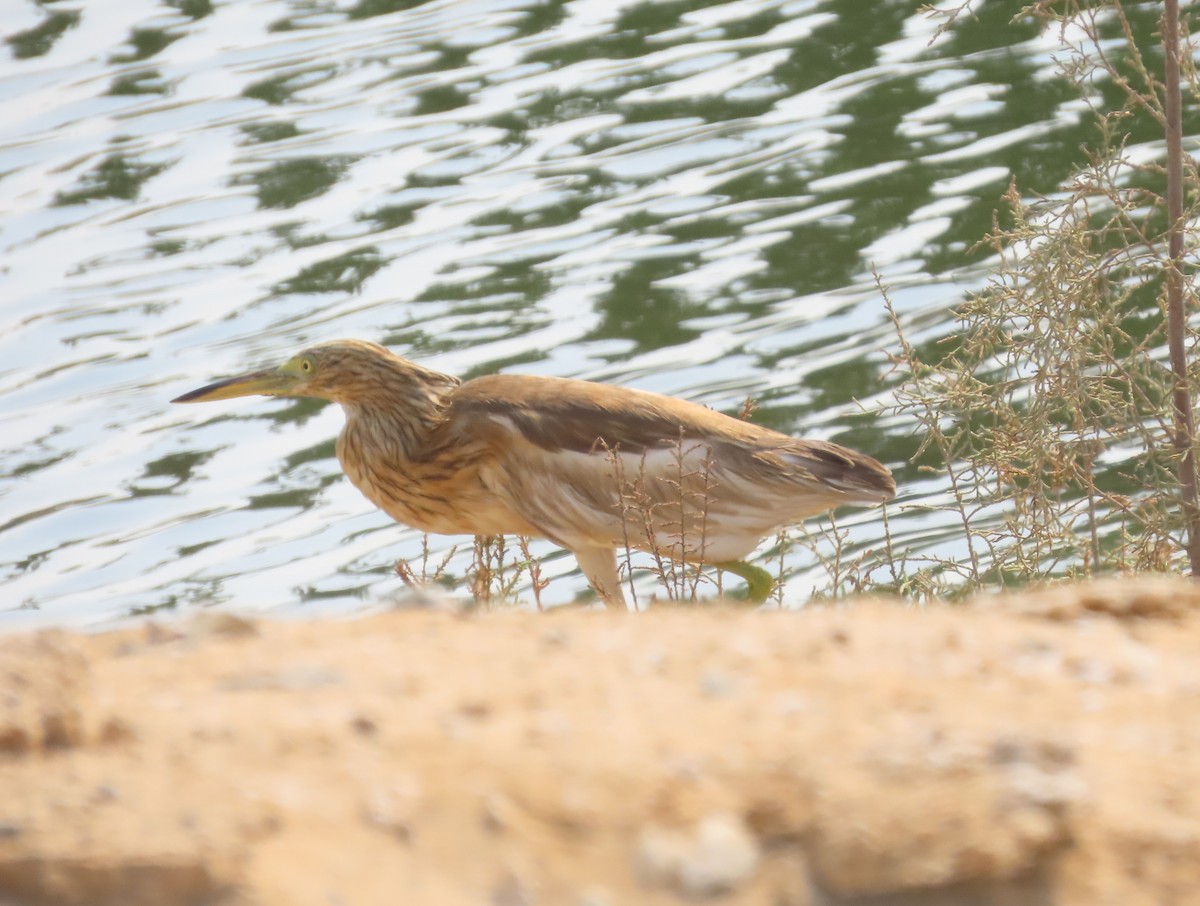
point(683, 502)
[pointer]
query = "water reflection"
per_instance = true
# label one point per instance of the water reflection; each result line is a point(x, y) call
point(684, 196)
point(114, 177)
point(36, 41)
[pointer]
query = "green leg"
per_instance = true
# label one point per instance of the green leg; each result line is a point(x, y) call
point(758, 581)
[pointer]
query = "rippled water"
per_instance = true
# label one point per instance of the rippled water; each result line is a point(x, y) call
point(681, 196)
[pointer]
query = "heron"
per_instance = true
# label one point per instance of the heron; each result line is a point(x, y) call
point(592, 467)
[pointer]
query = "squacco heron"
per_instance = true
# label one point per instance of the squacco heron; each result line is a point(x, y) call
point(591, 467)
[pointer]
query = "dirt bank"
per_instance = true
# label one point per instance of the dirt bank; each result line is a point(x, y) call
point(1034, 751)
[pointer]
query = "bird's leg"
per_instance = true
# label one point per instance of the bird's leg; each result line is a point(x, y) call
point(758, 581)
point(599, 564)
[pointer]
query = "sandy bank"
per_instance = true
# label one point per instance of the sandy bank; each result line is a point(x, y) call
point(1037, 751)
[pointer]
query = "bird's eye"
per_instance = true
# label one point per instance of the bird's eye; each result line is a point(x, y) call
point(305, 366)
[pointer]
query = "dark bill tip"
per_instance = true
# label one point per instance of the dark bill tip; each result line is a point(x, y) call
point(261, 383)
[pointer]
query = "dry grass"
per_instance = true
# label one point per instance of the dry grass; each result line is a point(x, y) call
point(1048, 414)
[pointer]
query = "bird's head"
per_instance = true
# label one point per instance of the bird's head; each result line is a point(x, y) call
point(346, 371)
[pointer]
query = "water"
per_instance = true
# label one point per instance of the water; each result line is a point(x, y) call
point(686, 197)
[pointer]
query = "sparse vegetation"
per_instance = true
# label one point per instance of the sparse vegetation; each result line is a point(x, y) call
point(1059, 415)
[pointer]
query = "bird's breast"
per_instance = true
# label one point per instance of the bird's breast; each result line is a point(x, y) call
point(442, 494)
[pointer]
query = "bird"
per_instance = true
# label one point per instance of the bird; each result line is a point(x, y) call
point(594, 468)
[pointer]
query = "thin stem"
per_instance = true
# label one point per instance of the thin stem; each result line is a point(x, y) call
point(1185, 424)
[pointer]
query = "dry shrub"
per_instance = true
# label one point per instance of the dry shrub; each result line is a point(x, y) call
point(1049, 411)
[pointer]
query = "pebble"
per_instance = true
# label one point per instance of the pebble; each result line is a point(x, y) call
point(713, 857)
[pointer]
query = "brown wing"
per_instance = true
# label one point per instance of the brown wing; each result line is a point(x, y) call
point(559, 414)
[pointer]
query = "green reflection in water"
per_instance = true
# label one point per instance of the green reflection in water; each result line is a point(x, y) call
point(164, 248)
point(117, 176)
point(31, 562)
point(552, 106)
point(390, 216)
point(302, 498)
point(275, 90)
point(146, 42)
point(293, 234)
point(416, 343)
point(366, 9)
point(439, 99)
point(344, 273)
point(508, 287)
point(288, 182)
point(627, 39)
point(36, 41)
point(279, 89)
point(171, 602)
point(276, 131)
point(540, 17)
point(187, 550)
point(298, 411)
point(147, 81)
point(176, 467)
point(324, 450)
point(651, 316)
point(35, 465)
point(193, 9)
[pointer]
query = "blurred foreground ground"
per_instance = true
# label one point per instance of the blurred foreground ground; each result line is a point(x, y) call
point(1038, 750)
